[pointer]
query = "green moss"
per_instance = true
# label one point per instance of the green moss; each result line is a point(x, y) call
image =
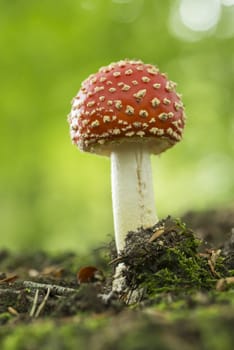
point(171, 262)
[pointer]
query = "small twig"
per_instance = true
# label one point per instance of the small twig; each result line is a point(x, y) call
point(9, 290)
point(42, 305)
point(212, 268)
point(157, 234)
point(212, 255)
point(35, 300)
point(116, 260)
point(12, 311)
point(53, 287)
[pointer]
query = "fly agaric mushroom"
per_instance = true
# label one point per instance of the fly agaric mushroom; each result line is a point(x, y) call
point(128, 110)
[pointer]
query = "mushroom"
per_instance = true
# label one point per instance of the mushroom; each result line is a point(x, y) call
point(128, 111)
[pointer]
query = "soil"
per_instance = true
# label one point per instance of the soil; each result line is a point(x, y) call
point(180, 271)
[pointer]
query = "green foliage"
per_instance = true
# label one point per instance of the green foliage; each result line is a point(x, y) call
point(47, 49)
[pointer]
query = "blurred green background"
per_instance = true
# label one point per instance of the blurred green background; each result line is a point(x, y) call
point(51, 195)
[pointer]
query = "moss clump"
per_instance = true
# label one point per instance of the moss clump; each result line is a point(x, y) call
point(167, 258)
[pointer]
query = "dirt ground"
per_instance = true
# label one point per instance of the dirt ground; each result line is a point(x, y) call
point(186, 298)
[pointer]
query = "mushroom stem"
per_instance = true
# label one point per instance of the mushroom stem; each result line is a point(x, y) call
point(132, 190)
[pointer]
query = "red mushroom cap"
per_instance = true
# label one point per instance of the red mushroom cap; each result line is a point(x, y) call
point(126, 101)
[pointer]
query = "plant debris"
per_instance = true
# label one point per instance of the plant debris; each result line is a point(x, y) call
point(168, 266)
point(166, 258)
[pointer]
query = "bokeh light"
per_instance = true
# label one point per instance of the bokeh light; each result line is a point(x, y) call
point(227, 2)
point(200, 15)
point(196, 20)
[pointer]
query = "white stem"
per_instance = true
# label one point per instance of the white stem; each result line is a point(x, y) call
point(132, 190)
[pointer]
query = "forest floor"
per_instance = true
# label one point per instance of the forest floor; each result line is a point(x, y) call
point(180, 271)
